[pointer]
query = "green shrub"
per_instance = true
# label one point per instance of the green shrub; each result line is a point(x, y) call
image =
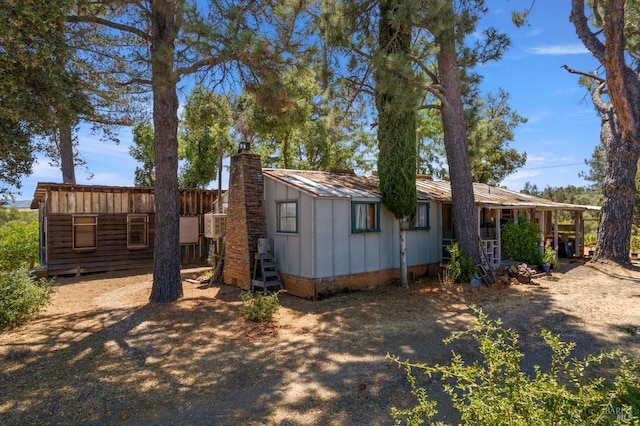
point(21, 297)
point(495, 391)
point(550, 257)
point(521, 241)
point(19, 245)
point(635, 242)
point(13, 214)
point(590, 240)
point(259, 307)
point(461, 268)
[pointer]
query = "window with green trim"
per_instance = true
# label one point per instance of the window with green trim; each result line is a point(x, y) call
point(287, 216)
point(419, 219)
point(365, 217)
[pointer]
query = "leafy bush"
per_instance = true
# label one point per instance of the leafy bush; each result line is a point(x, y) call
point(13, 214)
point(520, 241)
point(259, 307)
point(21, 297)
point(590, 239)
point(19, 245)
point(550, 257)
point(635, 242)
point(495, 391)
point(461, 268)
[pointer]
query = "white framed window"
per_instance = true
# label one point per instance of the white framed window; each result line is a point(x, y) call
point(85, 232)
point(137, 231)
point(419, 219)
point(365, 216)
point(287, 217)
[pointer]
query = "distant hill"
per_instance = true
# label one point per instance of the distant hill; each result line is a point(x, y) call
point(21, 204)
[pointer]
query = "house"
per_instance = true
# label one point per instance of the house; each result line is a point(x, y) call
point(91, 228)
point(330, 230)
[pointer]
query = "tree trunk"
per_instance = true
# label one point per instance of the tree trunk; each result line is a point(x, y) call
point(65, 149)
point(404, 280)
point(620, 132)
point(167, 285)
point(465, 215)
point(619, 189)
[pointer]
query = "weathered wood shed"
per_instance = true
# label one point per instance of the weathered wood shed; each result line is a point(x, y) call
point(90, 228)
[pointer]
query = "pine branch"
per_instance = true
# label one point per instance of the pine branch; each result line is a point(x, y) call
point(586, 74)
point(110, 24)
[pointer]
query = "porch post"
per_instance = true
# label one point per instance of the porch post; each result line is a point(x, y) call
point(555, 229)
point(541, 223)
point(497, 217)
point(579, 247)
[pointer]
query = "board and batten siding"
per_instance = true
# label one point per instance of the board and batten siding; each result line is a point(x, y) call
point(325, 247)
point(288, 248)
point(78, 202)
point(423, 246)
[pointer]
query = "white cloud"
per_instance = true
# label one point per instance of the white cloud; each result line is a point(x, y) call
point(43, 171)
point(558, 49)
point(517, 180)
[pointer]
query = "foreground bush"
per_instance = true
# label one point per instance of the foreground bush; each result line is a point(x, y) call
point(495, 391)
point(19, 245)
point(21, 297)
point(260, 308)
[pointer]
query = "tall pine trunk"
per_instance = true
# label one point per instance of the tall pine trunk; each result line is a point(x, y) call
point(620, 132)
point(65, 148)
point(167, 285)
point(456, 142)
point(619, 190)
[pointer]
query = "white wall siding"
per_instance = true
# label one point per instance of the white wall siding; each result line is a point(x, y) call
point(325, 246)
point(305, 236)
point(341, 233)
point(286, 247)
point(423, 246)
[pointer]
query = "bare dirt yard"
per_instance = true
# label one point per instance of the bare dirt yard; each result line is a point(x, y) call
point(101, 354)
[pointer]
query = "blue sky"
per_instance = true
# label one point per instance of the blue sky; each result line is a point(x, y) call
point(562, 131)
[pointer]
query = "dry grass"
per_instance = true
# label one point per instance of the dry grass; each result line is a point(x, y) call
point(101, 354)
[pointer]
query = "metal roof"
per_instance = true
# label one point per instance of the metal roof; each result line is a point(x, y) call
point(345, 184)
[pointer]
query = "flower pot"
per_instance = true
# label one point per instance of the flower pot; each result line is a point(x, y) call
point(545, 268)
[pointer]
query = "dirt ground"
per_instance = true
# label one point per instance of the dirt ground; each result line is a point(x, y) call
point(101, 354)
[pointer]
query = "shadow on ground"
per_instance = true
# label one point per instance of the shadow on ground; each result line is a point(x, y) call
point(198, 361)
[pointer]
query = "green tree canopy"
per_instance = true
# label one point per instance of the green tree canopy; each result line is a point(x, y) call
point(204, 137)
point(143, 150)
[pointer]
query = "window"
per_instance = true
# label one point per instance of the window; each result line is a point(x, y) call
point(137, 231)
point(85, 232)
point(420, 218)
point(287, 216)
point(365, 217)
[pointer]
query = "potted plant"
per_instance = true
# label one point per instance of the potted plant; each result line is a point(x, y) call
point(549, 259)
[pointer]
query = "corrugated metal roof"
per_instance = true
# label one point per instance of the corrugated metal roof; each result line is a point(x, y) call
point(327, 184)
point(349, 185)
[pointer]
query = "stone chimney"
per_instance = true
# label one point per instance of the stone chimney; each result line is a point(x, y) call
point(246, 218)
